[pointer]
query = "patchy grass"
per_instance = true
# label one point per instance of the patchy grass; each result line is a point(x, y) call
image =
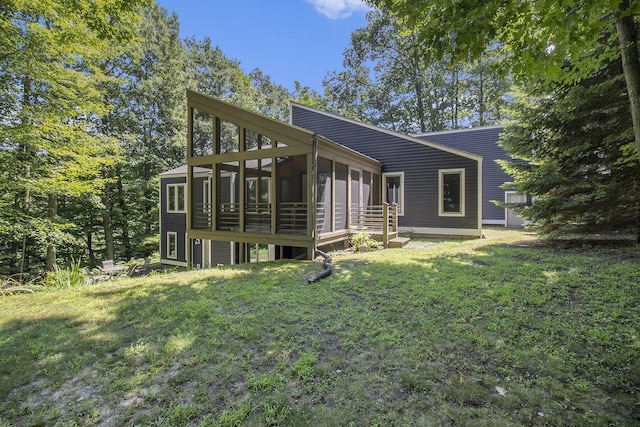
point(508, 330)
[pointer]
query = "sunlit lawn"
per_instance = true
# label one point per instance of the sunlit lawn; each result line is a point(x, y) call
point(508, 330)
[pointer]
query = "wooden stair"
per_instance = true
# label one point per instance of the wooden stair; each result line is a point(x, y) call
point(398, 242)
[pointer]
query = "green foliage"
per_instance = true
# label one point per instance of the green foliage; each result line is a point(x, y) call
point(385, 83)
point(574, 141)
point(361, 241)
point(70, 277)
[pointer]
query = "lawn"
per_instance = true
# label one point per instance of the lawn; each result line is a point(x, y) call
point(507, 330)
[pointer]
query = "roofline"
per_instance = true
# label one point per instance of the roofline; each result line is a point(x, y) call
point(393, 133)
point(459, 130)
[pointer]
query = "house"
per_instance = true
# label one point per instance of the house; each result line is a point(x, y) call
point(245, 192)
point(483, 141)
point(438, 188)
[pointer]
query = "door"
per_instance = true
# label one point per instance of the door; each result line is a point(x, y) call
point(513, 219)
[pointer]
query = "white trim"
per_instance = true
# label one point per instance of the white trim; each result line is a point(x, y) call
point(442, 231)
point(393, 133)
point(494, 221)
point(173, 262)
point(384, 189)
point(175, 234)
point(174, 209)
point(441, 173)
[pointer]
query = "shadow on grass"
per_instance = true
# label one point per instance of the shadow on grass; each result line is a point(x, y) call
point(393, 337)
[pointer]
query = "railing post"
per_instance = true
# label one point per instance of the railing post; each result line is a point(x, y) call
point(385, 224)
point(395, 218)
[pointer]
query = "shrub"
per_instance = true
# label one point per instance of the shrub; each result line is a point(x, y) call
point(361, 241)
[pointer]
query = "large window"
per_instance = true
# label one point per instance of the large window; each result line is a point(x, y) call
point(393, 191)
point(172, 245)
point(451, 192)
point(176, 198)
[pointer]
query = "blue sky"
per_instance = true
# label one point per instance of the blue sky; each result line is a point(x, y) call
point(287, 39)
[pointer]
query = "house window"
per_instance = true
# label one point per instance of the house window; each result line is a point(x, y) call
point(176, 198)
point(393, 190)
point(451, 192)
point(172, 245)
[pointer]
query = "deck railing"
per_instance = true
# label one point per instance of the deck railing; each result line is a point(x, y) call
point(380, 221)
point(292, 218)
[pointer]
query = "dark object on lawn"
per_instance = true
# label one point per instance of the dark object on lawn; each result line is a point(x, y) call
point(327, 268)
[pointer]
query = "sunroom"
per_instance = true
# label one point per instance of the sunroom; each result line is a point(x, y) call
point(264, 175)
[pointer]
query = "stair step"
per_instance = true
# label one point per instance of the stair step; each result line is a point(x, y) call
point(398, 242)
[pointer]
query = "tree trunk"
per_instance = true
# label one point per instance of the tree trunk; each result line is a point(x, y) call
point(51, 245)
point(107, 227)
point(628, 37)
point(27, 208)
point(92, 255)
point(125, 224)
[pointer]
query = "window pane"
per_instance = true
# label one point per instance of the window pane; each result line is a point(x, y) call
point(229, 135)
point(172, 245)
point(451, 192)
point(250, 140)
point(180, 196)
point(202, 134)
point(393, 189)
point(171, 198)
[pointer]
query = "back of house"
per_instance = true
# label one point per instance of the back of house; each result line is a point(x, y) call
point(438, 188)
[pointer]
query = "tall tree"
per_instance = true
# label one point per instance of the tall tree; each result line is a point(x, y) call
point(51, 87)
point(540, 38)
point(386, 82)
point(575, 140)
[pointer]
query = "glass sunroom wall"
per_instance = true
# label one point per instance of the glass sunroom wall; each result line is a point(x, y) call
point(291, 173)
point(257, 193)
point(324, 192)
point(200, 198)
point(202, 141)
point(228, 190)
point(341, 205)
point(228, 137)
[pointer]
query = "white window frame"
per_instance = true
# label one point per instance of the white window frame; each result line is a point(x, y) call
point(172, 205)
point(384, 189)
point(441, 173)
point(171, 234)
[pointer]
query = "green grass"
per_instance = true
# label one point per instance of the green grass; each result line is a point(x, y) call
point(395, 337)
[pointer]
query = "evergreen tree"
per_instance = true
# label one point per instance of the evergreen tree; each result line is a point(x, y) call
point(579, 156)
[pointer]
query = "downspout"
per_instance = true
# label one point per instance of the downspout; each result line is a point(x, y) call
point(326, 264)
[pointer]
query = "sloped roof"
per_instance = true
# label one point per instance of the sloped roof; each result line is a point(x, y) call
point(410, 138)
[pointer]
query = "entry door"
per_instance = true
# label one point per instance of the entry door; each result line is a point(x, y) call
point(513, 219)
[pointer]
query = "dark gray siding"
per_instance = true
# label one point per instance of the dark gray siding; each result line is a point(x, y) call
point(419, 163)
point(483, 142)
point(176, 222)
point(220, 253)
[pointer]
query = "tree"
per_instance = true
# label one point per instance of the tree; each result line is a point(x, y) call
point(51, 87)
point(386, 82)
point(560, 41)
point(149, 122)
point(575, 141)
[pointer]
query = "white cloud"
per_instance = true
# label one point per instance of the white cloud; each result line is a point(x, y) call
point(336, 9)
